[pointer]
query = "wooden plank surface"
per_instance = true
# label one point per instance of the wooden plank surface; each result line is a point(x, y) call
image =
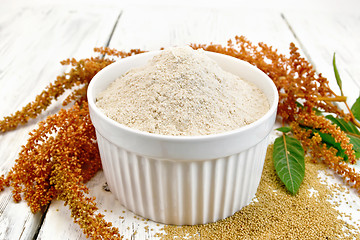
point(321, 35)
point(33, 42)
point(182, 26)
point(170, 26)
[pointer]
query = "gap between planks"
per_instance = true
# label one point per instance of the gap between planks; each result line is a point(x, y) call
point(113, 29)
point(47, 207)
point(301, 45)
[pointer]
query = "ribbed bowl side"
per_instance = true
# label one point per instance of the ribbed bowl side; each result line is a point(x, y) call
point(182, 192)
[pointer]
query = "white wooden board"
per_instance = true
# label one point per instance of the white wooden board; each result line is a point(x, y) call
point(33, 42)
point(322, 35)
point(34, 39)
point(151, 28)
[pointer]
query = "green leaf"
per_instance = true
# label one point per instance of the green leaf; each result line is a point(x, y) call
point(337, 76)
point(330, 142)
point(347, 127)
point(284, 129)
point(317, 111)
point(352, 132)
point(299, 104)
point(289, 162)
point(355, 141)
point(355, 109)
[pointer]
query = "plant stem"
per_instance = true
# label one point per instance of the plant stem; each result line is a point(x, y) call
point(320, 98)
point(353, 119)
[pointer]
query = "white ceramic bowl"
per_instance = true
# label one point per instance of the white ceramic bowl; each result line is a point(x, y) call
point(183, 180)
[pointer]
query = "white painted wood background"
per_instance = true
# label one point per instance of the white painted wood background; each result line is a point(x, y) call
point(36, 35)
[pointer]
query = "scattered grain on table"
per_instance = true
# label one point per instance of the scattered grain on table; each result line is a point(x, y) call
point(276, 214)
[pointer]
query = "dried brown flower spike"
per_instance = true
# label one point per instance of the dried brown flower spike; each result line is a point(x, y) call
point(301, 91)
point(80, 75)
point(59, 157)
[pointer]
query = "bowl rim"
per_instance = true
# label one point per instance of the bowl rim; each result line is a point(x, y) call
point(174, 138)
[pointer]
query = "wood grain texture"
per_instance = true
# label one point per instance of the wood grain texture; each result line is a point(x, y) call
point(34, 39)
point(322, 35)
point(181, 26)
point(131, 226)
point(201, 25)
point(33, 42)
point(154, 27)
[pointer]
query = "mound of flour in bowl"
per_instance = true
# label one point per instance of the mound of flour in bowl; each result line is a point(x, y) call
point(182, 92)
